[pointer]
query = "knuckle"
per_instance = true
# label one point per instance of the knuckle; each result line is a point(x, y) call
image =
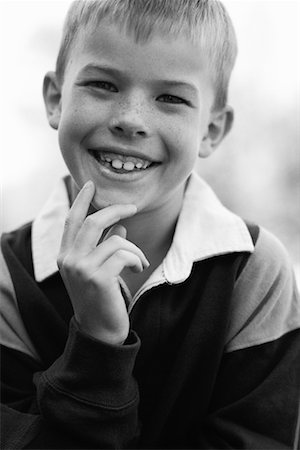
point(126, 256)
point(67, 264)
point(74, 267)
point(98, 281)
point(116, 240)
point(69, 222)
point(90, 221)
point(70, 265)
point(121, 254)
point(80, 270)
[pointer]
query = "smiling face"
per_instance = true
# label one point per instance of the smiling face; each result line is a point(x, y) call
point(132, 117)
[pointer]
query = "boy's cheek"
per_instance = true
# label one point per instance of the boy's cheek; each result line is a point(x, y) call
point(72, 127)
point(82, 121)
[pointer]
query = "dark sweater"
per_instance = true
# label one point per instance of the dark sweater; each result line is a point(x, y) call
point(171, 385)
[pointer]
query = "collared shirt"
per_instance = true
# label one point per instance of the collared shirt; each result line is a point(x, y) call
point(205, 228)
point(265, 302)
point(180, 364)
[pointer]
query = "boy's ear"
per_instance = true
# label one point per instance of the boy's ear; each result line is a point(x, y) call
point(219, 125)
point(52, 99)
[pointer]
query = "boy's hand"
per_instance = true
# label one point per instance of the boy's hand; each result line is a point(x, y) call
point(90, 270)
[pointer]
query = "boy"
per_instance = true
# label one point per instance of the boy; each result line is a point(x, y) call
point(170, 322)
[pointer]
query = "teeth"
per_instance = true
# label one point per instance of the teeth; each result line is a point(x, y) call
point(129, 165)
point(117, 164)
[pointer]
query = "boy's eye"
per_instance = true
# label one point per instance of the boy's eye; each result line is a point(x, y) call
point(168, 98)
point(106, 85)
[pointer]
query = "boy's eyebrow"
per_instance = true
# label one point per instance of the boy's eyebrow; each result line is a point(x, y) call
point(175, 83)
point(113, 71)
point(95, 67)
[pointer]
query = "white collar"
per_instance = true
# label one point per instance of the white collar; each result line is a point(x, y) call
point(205, 228)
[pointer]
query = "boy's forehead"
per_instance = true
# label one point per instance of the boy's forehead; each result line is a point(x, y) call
point(111, 43)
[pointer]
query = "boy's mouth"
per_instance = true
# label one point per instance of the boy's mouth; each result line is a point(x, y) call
point(120, 163)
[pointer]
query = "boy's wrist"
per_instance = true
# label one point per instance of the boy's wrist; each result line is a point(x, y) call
point(105, 336)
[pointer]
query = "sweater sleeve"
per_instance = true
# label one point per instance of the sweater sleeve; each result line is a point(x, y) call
point(256, 397)
point(87, 398)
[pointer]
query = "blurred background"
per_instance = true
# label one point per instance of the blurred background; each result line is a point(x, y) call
point(256, 171)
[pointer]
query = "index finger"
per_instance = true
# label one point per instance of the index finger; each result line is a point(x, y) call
point(92, 228)
point(77, 215)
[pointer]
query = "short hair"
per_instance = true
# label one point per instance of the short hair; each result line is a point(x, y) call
point(205, 22)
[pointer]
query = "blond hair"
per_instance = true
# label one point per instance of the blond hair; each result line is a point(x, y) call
point(205, 22)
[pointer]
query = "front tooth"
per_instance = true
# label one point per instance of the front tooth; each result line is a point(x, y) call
point(139, 165)
point(117, 164)
point(129, 165)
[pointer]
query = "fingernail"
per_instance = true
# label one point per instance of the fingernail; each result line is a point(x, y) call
point(132, 207)
point(88, 184)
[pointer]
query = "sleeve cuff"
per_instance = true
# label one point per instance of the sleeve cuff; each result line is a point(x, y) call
point(95, 371)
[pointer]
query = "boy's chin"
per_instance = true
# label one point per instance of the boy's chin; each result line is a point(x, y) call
point(101, 202)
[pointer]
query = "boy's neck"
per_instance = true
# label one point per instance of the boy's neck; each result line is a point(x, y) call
point(153, 231)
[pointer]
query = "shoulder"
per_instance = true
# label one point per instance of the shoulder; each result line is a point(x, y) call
point(269, 259)
point(265, 303)
point(12, 251)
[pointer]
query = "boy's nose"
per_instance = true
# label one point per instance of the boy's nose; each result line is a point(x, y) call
point(130, 117)
point(128, 128)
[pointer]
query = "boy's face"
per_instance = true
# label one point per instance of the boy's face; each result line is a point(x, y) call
point(127, 105)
